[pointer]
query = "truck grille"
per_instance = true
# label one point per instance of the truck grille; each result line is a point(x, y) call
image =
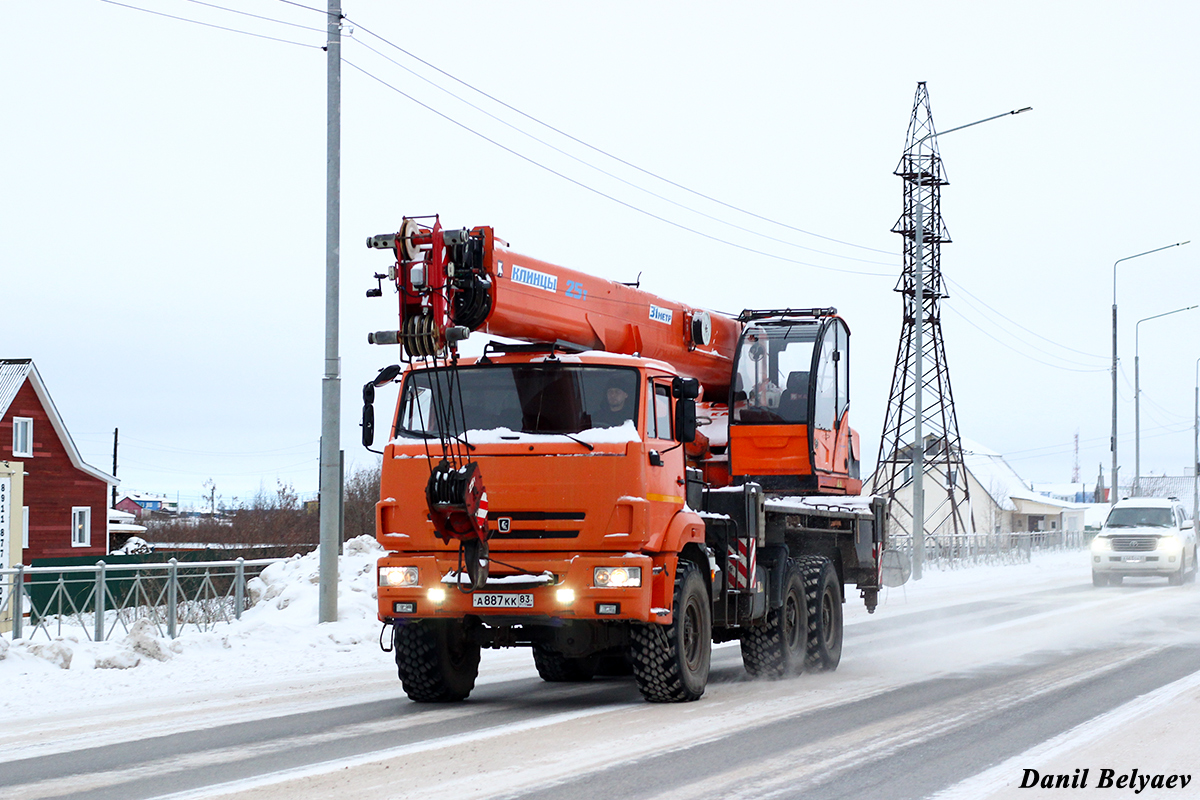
point(1131, 545)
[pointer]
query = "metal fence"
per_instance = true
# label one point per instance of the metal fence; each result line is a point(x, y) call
point(949, 551)
point(106, 599)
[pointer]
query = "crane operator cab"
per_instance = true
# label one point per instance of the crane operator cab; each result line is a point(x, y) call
point(789, 426)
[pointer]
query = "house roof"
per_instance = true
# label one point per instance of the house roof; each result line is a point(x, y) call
point(13, 374)
point(1001, 481)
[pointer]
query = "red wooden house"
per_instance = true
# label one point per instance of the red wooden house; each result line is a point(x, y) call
point(66, 500)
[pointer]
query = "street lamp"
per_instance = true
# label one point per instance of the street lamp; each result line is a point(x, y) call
point(1137, 402)
point(918, 454)
point(1113, 439)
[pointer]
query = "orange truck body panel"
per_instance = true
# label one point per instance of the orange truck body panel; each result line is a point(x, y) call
point(609, 507)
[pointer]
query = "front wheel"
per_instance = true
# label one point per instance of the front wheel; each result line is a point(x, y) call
point(1099, 579)
point(437, 659)
point(823, 595)
point(671, 662)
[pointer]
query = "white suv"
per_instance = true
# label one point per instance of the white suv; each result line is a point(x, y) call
point(1144, 536)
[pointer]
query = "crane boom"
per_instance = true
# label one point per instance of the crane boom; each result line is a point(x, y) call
point(468, 279)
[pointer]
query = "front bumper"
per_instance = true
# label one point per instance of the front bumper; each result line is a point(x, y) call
point(1147, 563)
point(513, 597)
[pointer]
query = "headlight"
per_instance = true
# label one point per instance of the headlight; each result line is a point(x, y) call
point(1101, 544)
point(398, 576)
point(565, 596)
point(1170, 544)
point(437, 594)
point(623, 577)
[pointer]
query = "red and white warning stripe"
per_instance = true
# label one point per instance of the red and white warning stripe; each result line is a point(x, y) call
point(743, 558)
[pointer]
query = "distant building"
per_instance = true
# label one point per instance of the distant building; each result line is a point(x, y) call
point(1001, 502)
point(139, 504)
point(65, 501)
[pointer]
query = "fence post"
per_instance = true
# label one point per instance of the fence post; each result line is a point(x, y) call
point(239, 587)
point(19, 604)
point(172, 589)
point(100, 591)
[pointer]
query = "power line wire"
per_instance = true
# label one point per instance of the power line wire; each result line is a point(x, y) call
point(210, 25)
point(1000, 314)
point(970, 322)
point(604, 152)
point(256, 16)
point(615, 177)
point(596, 191)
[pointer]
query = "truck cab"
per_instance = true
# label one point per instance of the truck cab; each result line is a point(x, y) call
point(585, 483)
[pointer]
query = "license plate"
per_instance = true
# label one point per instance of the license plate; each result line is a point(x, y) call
point(506, 600)
point(1134, 559)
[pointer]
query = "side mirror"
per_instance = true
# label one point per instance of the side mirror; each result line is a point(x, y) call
point(368, 417)
point(685, 388)
point(685, 420)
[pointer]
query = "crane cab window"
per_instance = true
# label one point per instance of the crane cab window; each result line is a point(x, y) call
point(833, 384)
point(771, 382)
point(658, 410)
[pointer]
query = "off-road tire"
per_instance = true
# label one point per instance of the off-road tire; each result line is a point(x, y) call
point(556, 668)
point(780, 647)
point(437, 660)
point(1099, 579)
point(1177, 577)
point(671, 662)
point(823, 596)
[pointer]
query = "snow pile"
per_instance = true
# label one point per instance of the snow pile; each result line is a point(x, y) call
point(277, 635)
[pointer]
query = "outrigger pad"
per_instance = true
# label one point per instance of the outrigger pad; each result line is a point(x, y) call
point(457, 502)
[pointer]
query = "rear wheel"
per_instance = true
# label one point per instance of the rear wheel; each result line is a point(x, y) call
point(556, 668)
point(437, 660)
point(671, 662)
point(778, 648)
point(823, 596)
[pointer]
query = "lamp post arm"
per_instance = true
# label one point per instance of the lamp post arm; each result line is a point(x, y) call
point(1139, 255)
point(977, 122)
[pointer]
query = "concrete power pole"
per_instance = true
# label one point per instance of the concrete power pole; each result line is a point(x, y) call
point(331, 385)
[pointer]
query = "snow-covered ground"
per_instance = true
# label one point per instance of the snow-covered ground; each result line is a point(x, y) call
point(277, 660)
point(279, 638)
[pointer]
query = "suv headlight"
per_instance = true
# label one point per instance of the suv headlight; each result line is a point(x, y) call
point(617, 577)
point(398, 576)
point(1170, 544)
point(1101, 544)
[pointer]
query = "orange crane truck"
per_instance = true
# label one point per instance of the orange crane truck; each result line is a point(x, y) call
point(624, 482)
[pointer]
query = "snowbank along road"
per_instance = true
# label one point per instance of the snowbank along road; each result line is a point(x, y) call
point(957, 687)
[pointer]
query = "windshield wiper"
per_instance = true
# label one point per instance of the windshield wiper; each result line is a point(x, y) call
point(588, 445)
point(428, 435)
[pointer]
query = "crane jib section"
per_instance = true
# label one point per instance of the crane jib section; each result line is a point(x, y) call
point(469, 280)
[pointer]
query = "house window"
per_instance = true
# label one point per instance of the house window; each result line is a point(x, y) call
point(22, 437)
point(25, 527)
point(81, 526)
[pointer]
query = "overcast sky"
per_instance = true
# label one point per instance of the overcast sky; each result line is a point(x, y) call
point(162, 226)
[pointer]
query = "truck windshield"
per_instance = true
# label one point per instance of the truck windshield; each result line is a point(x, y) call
point(1133, 517)
point(547, 397)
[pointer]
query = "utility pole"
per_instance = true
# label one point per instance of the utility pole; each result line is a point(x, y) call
point(331, 385)
point(114, 472)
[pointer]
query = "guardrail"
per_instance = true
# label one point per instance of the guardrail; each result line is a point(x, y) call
point(967, 549)
point(105, 598)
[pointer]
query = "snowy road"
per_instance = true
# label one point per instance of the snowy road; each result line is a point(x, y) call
point(955, 686)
